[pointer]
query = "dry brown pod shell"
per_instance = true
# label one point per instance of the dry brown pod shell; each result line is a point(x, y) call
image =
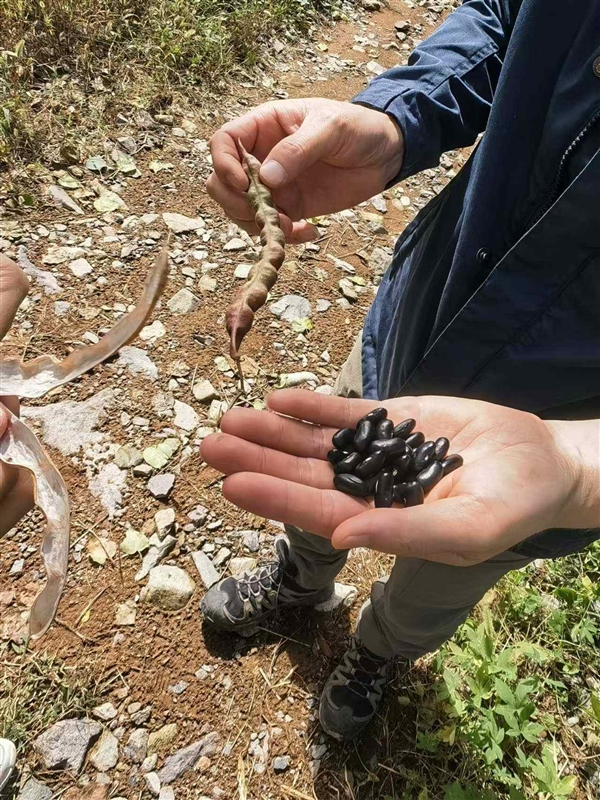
point(253, 294)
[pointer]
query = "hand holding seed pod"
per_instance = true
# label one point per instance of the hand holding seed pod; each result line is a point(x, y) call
point(253, 294)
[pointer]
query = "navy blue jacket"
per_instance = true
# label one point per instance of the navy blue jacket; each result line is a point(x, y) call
point(494, 288)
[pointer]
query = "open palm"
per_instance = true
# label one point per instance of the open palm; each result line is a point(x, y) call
point(515, 481)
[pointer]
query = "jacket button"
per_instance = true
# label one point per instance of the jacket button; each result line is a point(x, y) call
point(483, 255)
point(596, 67)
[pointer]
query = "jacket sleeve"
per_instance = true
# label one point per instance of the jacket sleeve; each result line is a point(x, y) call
point(441, 99)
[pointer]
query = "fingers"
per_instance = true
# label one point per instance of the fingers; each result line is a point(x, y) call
point(279, 433)
point(454, 530)
point(229, 455)
point(13, 288)
point(314, 510)
point(225, 153)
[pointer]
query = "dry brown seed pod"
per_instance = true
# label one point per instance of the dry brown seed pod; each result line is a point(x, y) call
point(253, 294)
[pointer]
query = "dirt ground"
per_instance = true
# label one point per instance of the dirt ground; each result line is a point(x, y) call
point(259, 695)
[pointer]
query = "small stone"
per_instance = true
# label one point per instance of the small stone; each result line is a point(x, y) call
point(187, 757)
point(155, 555)
point(161, 485)
point(348, 289)
point(160, 740)
point(164, 521)
point(205, 392)
point(105, 712)
point(375, 68)
point(150, 333)
point(179, 223)
point(235, 244)
point(125, 613)
point(128, 456)
point(34, 790)
point(105, 753)
point(166, 793)
point(203, 764)
point(149, 763)
point(343, 595)
point(58, 255)
point(251, 541)
point(137, 746)
point(61, 307)
point(80, 267)
point(152, 783)
point(179, 368)
point(222, 556)
point(242, 271)
point(291, 307)
point(185, 416)
point(178, 688)
point(371, 5)
point(17, 567)
point(205, 567)
point(142, 470)
point(198, 515)
point(137, 362)
point(65, 744)
point(169, 588)
point(281, 764)
point(207, 284)
point(240, 565)
point(183, 302)
point(323, 305)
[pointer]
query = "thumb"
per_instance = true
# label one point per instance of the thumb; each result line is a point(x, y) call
point(3, 419)
point(454, 530)
point(290, 157)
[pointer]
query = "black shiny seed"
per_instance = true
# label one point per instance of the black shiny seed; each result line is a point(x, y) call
point(411, 494)
point(372, 465)
point(348, 464)
point(350, 484)
point(391, 447)
point(385, 429)
point(364, 435)
point(374, 416)
point(343, 437)
point(335, 456)
point(384, 491)
point(401, 464)
point(441, 447)
point(424, 455)
point(415, 439)
point(451, 463)
point(404, 428)
point(431, 475)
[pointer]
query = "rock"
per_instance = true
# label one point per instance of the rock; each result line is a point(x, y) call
point(348, 289)
point(150, 333)
point(166, 793)
point(128, 456)
point(291, 307)
point(178, 688)
point(61, 307)
point(61, 198)
point(205, 567)
point(59, 255)
point(149, 763)
point(163, 738)
point(164, 521)
point(41, 276)
point(107, 487)
point(80, 267)
point(68, 426)
point(198, 515)
point(185, 416)
point(323, 305)
point(137, 362)
point(235, 244)
point(179, 368)
point(259, 748)
point(222, 556)
point(281, 764)
point(142, 471)
point(402, 25)
point(183, 302)
point(187, 757)
point(343, 595)
point(205, 392)
point(242, 271)
point(125, 613)
point(371, 5)
point(105, 753)
point(34, 790)
point(240, 565)
point(296, 379)
point(251, 541)
point(179, 223)
point(378, 202)
point(203, 764)
point(160, 486)
point(155, 555)
point(169, 588)
point(152, 783)
point(375, 68)
point(105, 712)
point(137, 746)
point(65, 744)
point(207, 284)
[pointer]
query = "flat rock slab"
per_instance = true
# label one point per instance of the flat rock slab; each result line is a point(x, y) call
point(291, 307)
point(179, 223)
point(65, 744)
point(187, 757)
point(205, 567)
point(34, 790)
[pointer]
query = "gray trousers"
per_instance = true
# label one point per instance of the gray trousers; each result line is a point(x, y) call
point(422, 603)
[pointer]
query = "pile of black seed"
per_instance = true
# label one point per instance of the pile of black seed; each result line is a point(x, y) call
point(391, 463)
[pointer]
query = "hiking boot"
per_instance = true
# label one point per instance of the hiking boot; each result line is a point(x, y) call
point(353, 692)
point(240, 604)
point(8, 756)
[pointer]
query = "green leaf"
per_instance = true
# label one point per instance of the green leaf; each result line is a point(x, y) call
point(108, 201)
point(134, 542)
point(596, 706)
point(159, 166)
point(127, 165)
point(302, 325)
point(67, 181)
point(504, 692)
point(96, 164)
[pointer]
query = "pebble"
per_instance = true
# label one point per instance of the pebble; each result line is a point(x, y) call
point(179, 223)
point(242, 271)
point(105, 753)
point(205, 567)
point(161, 485)
point(251, 541)
point(164, 519)
point(137, 746)
point(183, 302)
point(137, 362)
point(240, 565)
point(187, 757)
point(234, 245)
point(169, 588)
point(185, 416)
point(198, 515)
point(34, 790)
point(105, 712)
point(291, 307)
point(281, 764)
point(160, 740)
point(80, 267)
point(66, 743)
point(155, 555)
point(128, 456)
point(152, 783)
point(204, 391)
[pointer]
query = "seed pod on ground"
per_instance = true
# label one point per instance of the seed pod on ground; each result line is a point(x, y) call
point(372, 465)
point(364, 435)
point(431, 475)
point(424, 455)
point(343, 437)
point(410, 493)
point(385, 429)
point(348, 464)
point(350, 484)
point(334, 456)
point(374, 416)
point(384, 491)
point(391, 447)
point(404, 428)
point(451, 463)
point(442, 445)
point(401, 464)
point(415, 439)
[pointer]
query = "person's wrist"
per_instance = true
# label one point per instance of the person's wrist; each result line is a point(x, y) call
point(396, 147)
point(578, 444)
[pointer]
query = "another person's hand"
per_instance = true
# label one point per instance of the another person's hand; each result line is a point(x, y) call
point(16, 487)
point(521, 475)
point(319, 156)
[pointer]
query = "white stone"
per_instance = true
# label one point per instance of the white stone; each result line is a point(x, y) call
point(185, 416)
point(183, 302)
point(179, 223)
point(169, 588)
point(108, 487)
point(343, 595)
point(151, 333)
point(58, 255)
point(80, 267)
point(204, 391)
point(291, 307)
point(65, 744)
point(242, 271)
point(138, 362)
point(164, 521)
point(241, 564)
point(206, 568)
point(235, 244)
point(105, 753)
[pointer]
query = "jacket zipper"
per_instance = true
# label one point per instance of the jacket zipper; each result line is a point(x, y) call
point(554, 192)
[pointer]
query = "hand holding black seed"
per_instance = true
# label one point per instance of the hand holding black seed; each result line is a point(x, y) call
point(384, 490)
point(415, 439)
point(372, 465)
point(343, 437)
point(404, 429)
point(385, 429)
point(424, 455)
point(430, 475)
point(364, 435)
point(348, 464)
